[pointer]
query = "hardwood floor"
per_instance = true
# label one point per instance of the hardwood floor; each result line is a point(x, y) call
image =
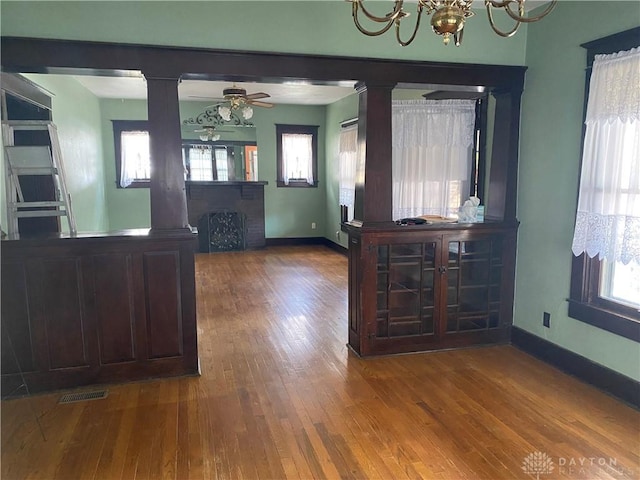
point(280, 396)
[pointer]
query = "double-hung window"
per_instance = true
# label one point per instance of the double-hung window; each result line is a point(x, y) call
point(133, 161)
point(297, 155)
point(605, 284)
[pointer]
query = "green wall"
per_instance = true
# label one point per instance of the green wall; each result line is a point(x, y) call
point(289, 212)
point(127, 207)
point(548, 179)
point(76, 113)
point(320, 26)
point(342, 110)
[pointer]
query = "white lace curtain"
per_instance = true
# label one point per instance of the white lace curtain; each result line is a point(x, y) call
point(347, 165)
point(297, 161)
point(432, 153)
point(608, 215)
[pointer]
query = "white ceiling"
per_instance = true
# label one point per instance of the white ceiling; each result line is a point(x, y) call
point(296, 93)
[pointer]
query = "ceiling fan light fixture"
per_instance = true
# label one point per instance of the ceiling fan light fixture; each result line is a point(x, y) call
point(448, 17)
point(225, 112)
point(247, 112)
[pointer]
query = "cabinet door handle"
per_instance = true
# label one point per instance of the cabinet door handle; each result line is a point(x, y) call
point(442, 270)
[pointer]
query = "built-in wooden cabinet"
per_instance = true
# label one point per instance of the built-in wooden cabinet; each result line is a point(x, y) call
point(428, 287)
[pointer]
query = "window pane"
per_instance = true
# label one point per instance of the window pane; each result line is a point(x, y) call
point(621, 283)
point(135, 159)
point(297, 152)
point(200, 164)
point(222, 164)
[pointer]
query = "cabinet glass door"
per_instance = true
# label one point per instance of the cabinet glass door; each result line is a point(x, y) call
point(405, 290)
point(474, 270)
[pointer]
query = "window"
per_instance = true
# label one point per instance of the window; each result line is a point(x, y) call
point(297, 154)
point(206, 163)
point(433, 150)
point(347, 166)
point(605, 280)
point(199, 163)
point(133, 161)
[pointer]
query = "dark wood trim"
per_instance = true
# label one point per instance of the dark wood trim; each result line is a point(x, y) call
point(298, 241)
point(38, 55)
point(607, 380)
point(613, 43)
point(336, 247)
point(118, 127)
point(312, 130)
point(373, 188)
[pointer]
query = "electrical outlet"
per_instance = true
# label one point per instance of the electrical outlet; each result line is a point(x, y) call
point(313, 225)
point(546, 319)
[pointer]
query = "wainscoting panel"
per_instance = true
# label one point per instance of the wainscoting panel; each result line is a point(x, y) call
point(162, 295)
point(114, 307)
point(62, 311)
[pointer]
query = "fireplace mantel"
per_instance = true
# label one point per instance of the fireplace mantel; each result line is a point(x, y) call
point(235, 196)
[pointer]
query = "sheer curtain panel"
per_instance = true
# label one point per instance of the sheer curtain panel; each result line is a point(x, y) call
point(347, 165)
point(432, 154)
point(608, 215)
point(297, 152)
point(135, 158)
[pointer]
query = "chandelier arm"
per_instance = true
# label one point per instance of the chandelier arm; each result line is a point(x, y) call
point(415, 30)
point(510, 33)
point(397, 11)
point(521, 18)
point(364, 30)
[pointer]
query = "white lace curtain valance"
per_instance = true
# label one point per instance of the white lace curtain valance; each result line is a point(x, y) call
point(608, 214)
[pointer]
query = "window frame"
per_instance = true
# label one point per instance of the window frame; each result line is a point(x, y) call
point(585, 303)
point(120, 126)
point(312, 130)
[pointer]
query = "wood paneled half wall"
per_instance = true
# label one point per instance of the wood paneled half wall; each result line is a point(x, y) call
point(97, 309)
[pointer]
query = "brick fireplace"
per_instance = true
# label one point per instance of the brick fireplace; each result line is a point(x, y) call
point(244, 198)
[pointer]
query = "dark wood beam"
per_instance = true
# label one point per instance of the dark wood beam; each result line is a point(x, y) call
point(33, 55)
point(373, 195)
point(168, 199)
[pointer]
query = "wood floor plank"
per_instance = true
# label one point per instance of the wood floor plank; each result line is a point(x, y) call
point(281, 397)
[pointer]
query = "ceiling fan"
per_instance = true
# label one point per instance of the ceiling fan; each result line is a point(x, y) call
point(236, 98)
point(209, 133)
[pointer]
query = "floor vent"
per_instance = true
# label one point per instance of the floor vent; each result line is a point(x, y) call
point(83, 396)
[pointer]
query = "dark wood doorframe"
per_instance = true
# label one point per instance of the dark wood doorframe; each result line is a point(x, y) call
point(31, 55)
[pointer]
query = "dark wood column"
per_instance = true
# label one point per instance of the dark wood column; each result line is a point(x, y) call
point(373, 174)
point(168, 198)
point(503, 177)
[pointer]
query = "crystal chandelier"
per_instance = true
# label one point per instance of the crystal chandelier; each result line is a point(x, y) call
point(448, 17)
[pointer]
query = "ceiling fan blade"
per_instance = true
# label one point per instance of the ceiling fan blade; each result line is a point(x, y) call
point(257, 95)
point(217, 99)
point(258, 103)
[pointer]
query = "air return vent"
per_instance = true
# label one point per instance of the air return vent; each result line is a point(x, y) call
point(83, 396)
